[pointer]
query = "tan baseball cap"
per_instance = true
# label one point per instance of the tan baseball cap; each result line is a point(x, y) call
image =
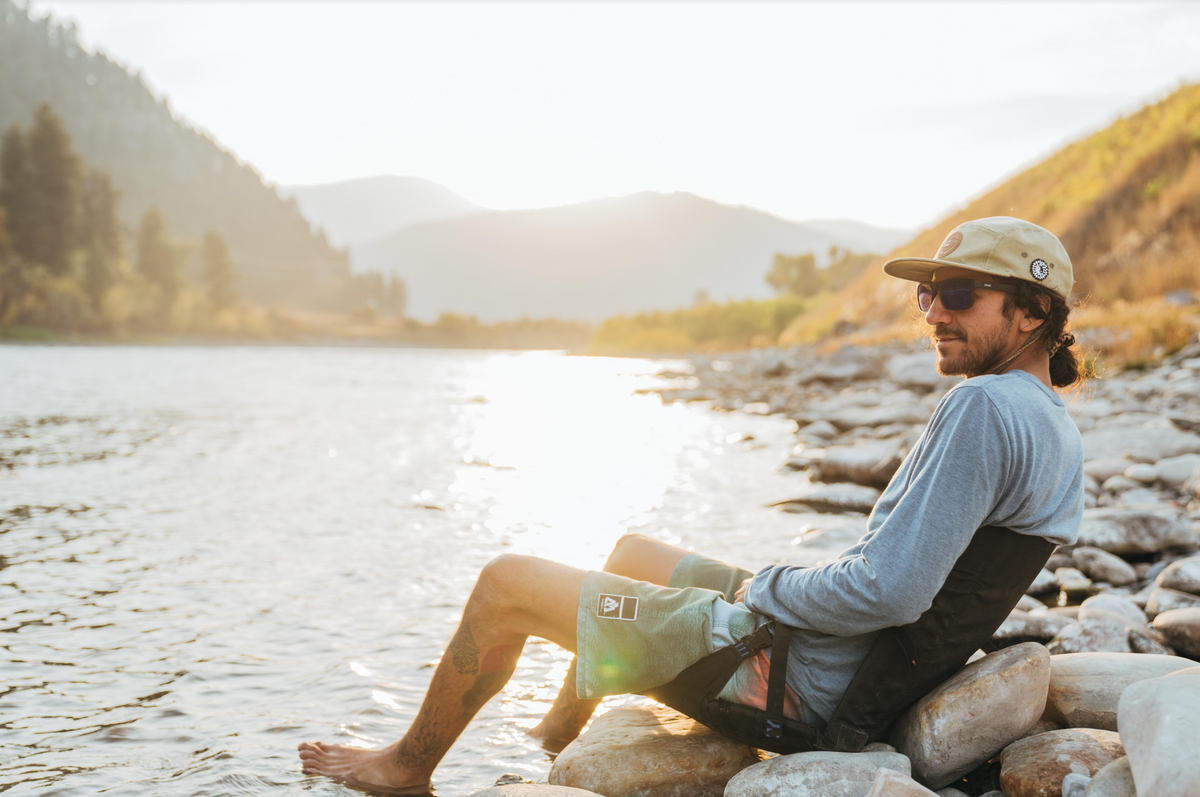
point(1000, 245)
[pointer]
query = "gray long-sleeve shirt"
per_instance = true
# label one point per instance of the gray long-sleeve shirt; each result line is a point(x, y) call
point(999, 450)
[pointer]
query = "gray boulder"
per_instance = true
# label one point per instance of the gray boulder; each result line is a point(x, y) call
point(1160, 725)
point(1134, 531)
point(1181, 629)
point(815, 775)
point(1115, 780)
point(1182, 575)
point(1085, 687)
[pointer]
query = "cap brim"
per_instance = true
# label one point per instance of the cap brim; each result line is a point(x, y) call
point(921, 269)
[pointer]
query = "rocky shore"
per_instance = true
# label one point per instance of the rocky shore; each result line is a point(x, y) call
point(1091, 688)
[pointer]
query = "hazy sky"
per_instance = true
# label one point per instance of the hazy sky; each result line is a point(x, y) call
point(888, 113)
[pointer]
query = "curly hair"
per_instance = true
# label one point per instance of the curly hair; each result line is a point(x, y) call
point(1066, 360)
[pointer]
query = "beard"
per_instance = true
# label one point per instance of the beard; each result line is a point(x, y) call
point(978, 355)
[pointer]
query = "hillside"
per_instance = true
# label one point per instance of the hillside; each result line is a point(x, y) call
point(156, 160)
point(594, 259)
point(357, 211)
point(1125, 201)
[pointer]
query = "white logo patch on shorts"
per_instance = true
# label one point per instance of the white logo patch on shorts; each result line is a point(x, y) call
point(617, 607)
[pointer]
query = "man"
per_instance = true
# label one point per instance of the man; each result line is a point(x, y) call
point(999, 451)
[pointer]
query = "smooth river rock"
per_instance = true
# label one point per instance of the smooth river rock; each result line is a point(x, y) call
point(1085, 687)
point(1160, 726)
point(650, 751)
point(1043, 582)
point(1109, 606)
point(1115, 780)
point(1022, 626)
point(1094, 635)
point(1036, 766)
point(833, 498)
point(1139, 443)
point(1164, 600)
point(1182, 575)
point(815, 775)
point(534, 790)
point(889, 783)
point(871, 464)
point(1134, 531)
point(975, 714)
point(1181, 629)
point(1100, 565)
point(1176, 471)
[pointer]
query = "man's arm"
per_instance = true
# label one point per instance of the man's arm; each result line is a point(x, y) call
point(951, 486)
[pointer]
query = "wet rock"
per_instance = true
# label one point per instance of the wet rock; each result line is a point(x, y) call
point(534, 790)
point(1043, 582)
point(889, 783)
point(833, 498)
point(1085, 687)
point(1182, 575)
point(870, 464)
point(815, 775)
point(661, 753)
point(1181, 629)
point(1141, 443)
point(1164, 600)
point(1115, 780)
point(1176, 471)
point(972, 716)
point(1100, 565)
point(1134, 531)
point(1035, 767)
point(1160, 725)
point(1021, 627)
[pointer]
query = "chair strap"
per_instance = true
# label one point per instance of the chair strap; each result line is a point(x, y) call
point(777, 681)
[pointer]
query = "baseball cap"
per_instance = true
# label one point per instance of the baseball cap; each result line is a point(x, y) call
point(1000, 245)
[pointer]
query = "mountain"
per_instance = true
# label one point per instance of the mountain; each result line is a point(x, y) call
point(156, 160)
point(356, 211)
point(1125, 202)
point(593, 259)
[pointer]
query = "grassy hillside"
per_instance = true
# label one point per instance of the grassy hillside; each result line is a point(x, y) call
point(1126, 203)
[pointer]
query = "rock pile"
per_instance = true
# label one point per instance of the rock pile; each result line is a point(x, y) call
point(1088, 690)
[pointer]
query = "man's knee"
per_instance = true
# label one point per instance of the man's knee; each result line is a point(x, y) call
point(630, 548)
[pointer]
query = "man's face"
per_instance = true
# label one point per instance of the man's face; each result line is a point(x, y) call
point(974, 341)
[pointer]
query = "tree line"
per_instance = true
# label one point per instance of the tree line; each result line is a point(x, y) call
point(799, 275)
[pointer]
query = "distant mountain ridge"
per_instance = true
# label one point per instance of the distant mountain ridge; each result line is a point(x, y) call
point(598, 258)
point(356, 211)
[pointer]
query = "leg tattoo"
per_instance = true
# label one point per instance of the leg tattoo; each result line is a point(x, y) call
point(463, 651)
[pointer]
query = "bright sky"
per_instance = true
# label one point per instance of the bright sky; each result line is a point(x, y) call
point(890, 113)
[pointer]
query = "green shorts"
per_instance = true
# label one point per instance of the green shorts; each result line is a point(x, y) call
point(633, 636)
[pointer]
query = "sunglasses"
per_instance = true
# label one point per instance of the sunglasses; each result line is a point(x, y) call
point(957, 294)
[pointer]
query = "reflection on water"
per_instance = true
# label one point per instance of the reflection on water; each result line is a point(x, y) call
point(208, 555)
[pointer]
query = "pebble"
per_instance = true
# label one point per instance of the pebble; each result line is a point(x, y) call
point(1103, 469)
point(1085, 687)
point(1035, 767)
point(1160, 725)
point(661, 752)
point(1109, 606)
point(1094, 635)
point(1176, 471)
point(1182, 575)
point(975, 714)
point(816, 774)
point(1142, 472)
point(1071, 579)
point(1101, 565)
point(1119, 484)
point(1164, 600)
point(1075, 785)
point(1021, 626)
point(1181, 629)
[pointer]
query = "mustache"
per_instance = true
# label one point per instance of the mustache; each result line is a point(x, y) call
point(945, 330)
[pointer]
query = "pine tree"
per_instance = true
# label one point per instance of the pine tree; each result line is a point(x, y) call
point(218, 271)
point(16, 192)
point(100, 234)
point(156, 259)
point(56, 176)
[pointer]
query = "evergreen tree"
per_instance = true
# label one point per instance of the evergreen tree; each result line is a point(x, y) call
point(100, 234)
point(218, 271)
point(56, 177)
point(156, 259)
point(16, 192)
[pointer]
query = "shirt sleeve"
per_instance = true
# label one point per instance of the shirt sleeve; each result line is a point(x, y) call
point(959, 469)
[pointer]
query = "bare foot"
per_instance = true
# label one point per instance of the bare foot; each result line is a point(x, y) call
point(369, 770)
point(553, 734)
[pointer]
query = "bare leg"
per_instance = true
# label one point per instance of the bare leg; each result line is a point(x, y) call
point(514, 598)
point(634, 556)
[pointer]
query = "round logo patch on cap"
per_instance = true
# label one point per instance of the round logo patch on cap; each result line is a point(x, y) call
point(1039, 269)
point(950, 244)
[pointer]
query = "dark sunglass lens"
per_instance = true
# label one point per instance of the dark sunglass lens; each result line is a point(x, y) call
point(957, 298)
point(924, 297)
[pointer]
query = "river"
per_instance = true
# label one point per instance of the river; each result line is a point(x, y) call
point(209, 554)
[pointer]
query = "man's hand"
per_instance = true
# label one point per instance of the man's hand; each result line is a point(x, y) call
point(740, 595)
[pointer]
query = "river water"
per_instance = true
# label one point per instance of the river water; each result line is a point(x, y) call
point(208, 555)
